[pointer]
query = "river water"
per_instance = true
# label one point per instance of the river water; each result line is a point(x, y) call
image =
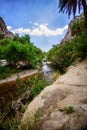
point(48, 72)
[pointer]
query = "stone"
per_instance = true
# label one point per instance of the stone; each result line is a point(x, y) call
point(68, 36)
point(70, 89)
point(4, 31)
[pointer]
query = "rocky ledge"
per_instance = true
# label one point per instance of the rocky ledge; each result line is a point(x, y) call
point(4, 31)
point(61, 106)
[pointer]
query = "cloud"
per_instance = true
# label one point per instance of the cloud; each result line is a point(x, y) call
point(40, 30)
point(9, 27)
point(21, 31)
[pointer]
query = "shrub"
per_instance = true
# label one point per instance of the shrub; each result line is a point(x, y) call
point(38, 84)
point(69, 109)
point(81, 45)
point(23, 108)
point(20, 49)
point(34, 84)
point(78, 26)
point(5, 72)
point(65, 54)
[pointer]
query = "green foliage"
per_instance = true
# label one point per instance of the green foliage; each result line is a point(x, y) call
point(81, 45)
point(9, 124)
point(21, 86)
point(15, 52)
point(5, 72)
point(34, 85)
point(38, 84)
point(20, 49)
point(7, 120)
point(23, 108)
point(4, 41)
point(78, 26)
point(23, 39)
point(69, 109)
point(65, 54)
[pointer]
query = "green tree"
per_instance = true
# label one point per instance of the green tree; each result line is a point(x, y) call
point(14, 52)
point(70, 6)
point(23, 39)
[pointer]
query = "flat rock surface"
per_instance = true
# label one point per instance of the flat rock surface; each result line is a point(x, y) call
point(23, 74)
point(47, 110)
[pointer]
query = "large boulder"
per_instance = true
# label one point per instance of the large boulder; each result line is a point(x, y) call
point(61, 106)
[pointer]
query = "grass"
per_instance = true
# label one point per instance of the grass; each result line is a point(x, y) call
point(6, 72)
point(34, 84)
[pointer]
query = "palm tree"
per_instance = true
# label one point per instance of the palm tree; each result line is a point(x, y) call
point(70, 6)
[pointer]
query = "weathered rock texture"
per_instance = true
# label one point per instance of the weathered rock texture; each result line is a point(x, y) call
point(46, 111)
point(68, 36)
point(3, 30)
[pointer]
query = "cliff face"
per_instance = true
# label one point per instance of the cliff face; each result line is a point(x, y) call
point(3, 30)
point(69, 34)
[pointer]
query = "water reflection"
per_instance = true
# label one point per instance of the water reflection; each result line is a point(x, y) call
point(47, 72)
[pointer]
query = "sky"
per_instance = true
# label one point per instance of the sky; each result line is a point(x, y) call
point(40, 19)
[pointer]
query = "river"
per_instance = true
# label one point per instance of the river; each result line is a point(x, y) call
point(8, 86)
point(48, 72)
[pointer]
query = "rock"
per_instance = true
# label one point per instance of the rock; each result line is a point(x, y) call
point(17, 103)
point(4, 31)
point(68, 36)
point(70, 89)
point(3, 62)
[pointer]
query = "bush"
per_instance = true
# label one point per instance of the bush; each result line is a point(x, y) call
point(23, 108)
point(78, 26)
point(20, 49)
point(34, 85)
point(5, 72)
point(65, 54)
point(69, 109)
point(37, 84)
point(81, 45)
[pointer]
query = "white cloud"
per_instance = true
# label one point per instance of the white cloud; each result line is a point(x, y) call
point(21, 31)
point(40, 30)
point(9, 27)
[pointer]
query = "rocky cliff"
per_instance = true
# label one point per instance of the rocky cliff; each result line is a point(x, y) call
point(3, 30)
point(69, 35)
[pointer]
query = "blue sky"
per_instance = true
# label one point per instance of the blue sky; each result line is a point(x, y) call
point(38, 18)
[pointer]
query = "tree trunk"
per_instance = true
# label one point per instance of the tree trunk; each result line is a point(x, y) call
point(85, 13)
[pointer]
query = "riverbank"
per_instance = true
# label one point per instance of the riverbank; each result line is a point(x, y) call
point(9, 87)
point(22, 75)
